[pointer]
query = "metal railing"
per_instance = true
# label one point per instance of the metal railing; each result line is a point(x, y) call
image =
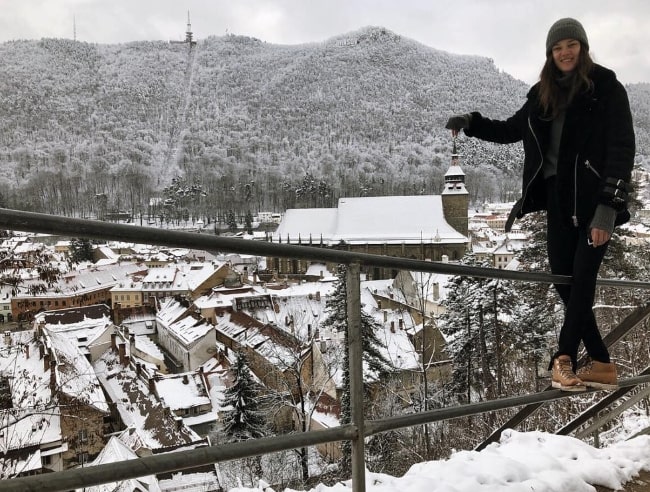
point(356, 431)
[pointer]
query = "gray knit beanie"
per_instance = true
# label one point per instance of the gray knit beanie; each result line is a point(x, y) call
point(566, 28)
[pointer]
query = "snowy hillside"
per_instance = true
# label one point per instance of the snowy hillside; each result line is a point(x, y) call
point(259, 126)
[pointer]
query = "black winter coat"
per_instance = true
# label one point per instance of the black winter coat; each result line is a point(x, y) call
point(597, 143)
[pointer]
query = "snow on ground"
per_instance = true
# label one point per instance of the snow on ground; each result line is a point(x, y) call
point(520, 462)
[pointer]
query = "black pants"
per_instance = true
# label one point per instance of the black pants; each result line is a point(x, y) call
point(569, 253)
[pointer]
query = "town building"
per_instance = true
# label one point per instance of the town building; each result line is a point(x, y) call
point(424, 227)
point(74, 289)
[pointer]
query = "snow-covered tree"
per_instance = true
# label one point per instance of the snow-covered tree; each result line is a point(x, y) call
point(374, 361)
point(81, 250)
point(243, 419)
point(475, 323)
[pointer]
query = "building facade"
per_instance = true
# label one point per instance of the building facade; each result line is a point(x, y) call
point(422, 227)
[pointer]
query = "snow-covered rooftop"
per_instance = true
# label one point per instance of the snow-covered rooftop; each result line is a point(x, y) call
point(387, 219)
point(152, 424)
point(75, 375)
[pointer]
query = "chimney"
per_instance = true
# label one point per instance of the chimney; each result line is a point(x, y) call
point(122, 352)
point(318, 295)
point(436, 291)
point(41, 350)
point(138, 369)
point(186, 379)
point(392, 326)
point(385, 316)
point(309, 330)
point(46, 362)
point(53, 377)
point(152, 385)
point(401, 323)
point(205, 380)
point(27, 351)
point(114, 341)
point(132, 340)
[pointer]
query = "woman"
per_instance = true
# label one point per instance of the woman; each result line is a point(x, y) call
point(576, 128)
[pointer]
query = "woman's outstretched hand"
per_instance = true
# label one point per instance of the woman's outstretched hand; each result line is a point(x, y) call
point(458, 123)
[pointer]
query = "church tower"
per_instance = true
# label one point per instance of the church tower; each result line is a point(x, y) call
point(455, 198)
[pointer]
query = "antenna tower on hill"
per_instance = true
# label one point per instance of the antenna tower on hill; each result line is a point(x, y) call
point(188, 33)
point(189, 37)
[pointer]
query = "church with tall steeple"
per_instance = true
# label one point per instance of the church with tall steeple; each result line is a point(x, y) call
point(424, 227)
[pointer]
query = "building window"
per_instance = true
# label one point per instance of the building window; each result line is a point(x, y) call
point(83, 435)
point(82, 458)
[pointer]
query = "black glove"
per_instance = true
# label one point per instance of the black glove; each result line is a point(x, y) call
point(458, 122)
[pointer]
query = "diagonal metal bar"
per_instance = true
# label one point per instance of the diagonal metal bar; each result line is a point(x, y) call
point(387, 424)
point(601, 405)
point(613, 413)
point(630, 322)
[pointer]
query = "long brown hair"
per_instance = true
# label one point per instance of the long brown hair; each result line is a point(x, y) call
point(550, 94)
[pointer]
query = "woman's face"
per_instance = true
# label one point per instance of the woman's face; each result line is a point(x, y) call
point(565, 54)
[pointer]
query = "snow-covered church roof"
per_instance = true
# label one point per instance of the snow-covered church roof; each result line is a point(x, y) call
point(384, 219)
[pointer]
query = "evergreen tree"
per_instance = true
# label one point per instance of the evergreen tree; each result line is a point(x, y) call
point(375, 363)
point(81, 250)
point(539, 309)
point(248, 222)
point(231, 221)
point(243, 420)
point(476, 322)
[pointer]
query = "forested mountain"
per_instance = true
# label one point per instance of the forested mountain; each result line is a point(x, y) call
point(237, 124)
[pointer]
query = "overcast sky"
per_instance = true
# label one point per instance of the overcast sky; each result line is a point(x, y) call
point(511, 32)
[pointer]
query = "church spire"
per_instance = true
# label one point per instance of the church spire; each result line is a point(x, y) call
point(455, 198)
point(454, 175)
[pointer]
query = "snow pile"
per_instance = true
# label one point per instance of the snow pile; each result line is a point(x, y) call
point(520, 462)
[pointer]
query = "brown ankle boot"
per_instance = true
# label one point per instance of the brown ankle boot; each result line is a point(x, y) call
point(601, 375)
point(563, 376)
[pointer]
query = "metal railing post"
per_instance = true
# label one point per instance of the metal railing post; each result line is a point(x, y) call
point(355, 369)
